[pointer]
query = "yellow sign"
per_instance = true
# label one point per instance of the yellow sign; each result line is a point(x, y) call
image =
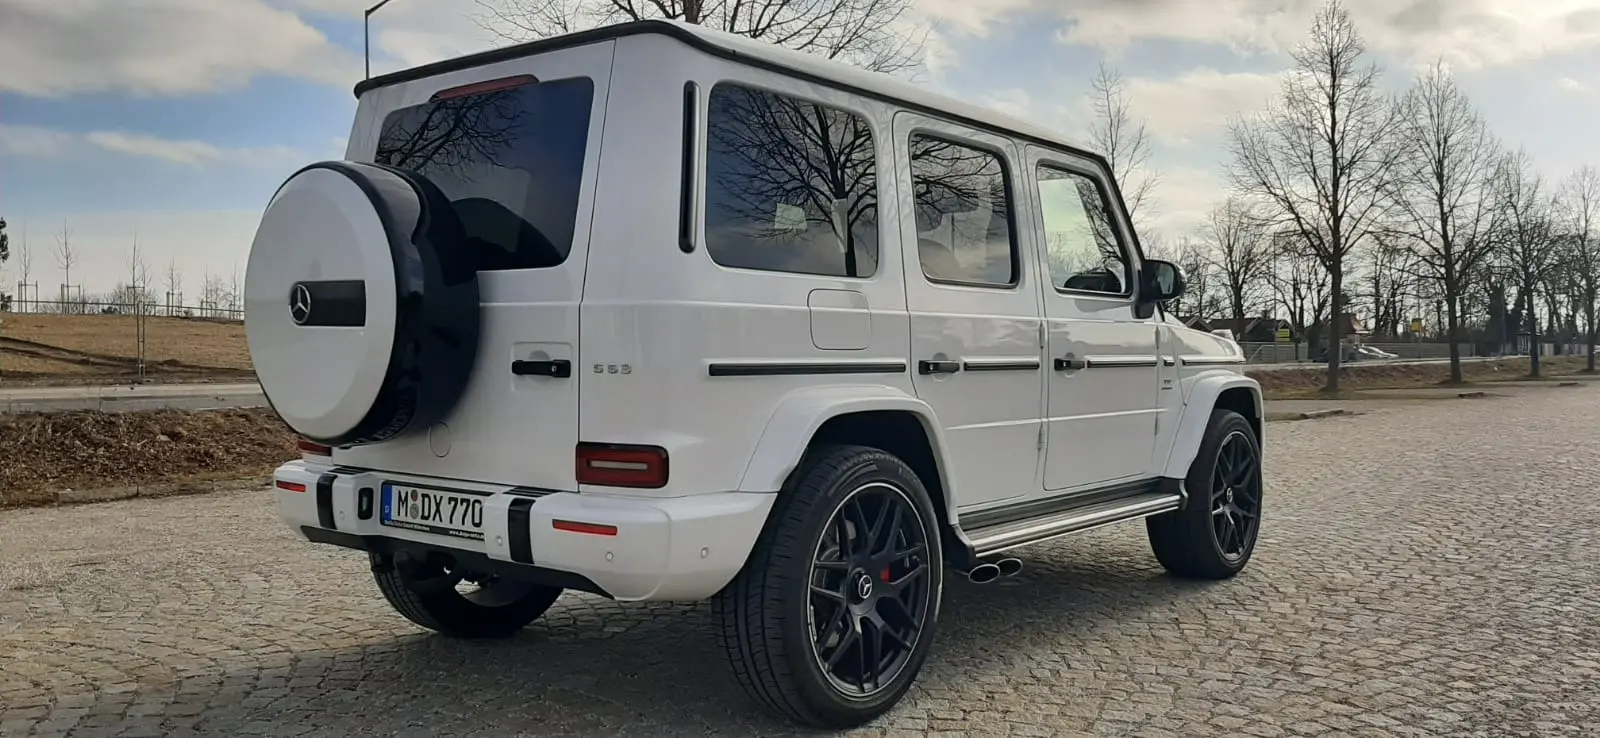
point(1416, 325)
point(1283, 334)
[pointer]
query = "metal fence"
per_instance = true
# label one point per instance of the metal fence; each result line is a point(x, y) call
point(207, 309)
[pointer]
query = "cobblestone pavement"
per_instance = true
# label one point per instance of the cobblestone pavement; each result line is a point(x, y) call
point(1425, 571)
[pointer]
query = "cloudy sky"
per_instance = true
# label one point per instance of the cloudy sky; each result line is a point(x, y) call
point(173, 120)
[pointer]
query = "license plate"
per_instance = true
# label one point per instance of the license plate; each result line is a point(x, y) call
point(432, 511)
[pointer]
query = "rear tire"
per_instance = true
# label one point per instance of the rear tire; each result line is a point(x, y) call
point(831, 619)
point(1214, 534)
point(427, 593)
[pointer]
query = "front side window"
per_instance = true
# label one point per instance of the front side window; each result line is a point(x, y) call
point(1079, 238)
point(510, 160)
point(791, 186)
point(963, 214)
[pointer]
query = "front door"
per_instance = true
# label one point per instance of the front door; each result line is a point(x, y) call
point(1103, 361)
point(970, 289)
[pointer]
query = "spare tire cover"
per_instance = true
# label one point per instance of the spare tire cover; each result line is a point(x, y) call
point(361, 303)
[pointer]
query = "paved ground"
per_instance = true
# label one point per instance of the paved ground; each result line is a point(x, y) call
point(1430, 571)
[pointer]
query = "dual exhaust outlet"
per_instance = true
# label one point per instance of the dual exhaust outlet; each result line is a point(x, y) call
point(988, 571)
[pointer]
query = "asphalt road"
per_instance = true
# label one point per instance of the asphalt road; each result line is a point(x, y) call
point(1425, 571)
point(124, 398)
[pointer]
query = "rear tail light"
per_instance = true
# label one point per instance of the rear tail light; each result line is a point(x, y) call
point(291, 486)
point(313, 449)
point(612, 465)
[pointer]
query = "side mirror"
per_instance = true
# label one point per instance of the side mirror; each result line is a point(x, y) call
point(1163, 281)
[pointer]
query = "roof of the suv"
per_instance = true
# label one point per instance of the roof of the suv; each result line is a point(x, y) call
point(762, 54)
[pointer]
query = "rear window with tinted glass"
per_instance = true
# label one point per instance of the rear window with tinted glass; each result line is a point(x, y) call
point(511, 162)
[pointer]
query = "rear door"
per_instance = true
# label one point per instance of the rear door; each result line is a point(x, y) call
point(515, 146)
point(974, 306)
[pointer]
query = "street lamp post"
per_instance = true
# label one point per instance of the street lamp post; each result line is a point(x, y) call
point(366, 35)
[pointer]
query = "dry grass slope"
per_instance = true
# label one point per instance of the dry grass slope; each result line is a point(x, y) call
point(86, 349)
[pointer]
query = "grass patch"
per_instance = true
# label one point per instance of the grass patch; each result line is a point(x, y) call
point(96, 349)
point(1292, 384)
point(49, 452)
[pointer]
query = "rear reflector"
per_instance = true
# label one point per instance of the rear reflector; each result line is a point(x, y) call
point(613, 465)
point(493, 85)
point(291, 486)
point(593, 529)
point(315, 449)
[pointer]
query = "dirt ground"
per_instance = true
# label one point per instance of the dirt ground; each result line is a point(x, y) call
point(87, 349)
point(1307, 383)
point(44, 453)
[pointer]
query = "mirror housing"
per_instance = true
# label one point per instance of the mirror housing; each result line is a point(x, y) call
point(1163, 281)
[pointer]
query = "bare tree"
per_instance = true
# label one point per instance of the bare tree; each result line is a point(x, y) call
point(1443, 191)
point(25, 270)
point(1201, 298)
point(1240, 253)
point(1580, 216)
point(66, 257)
point(1299, 285)
point(1530, 243)
point(138, 272)
point(173, 281)
point(1318, 159)
point(874, 34)
point(1123, 140)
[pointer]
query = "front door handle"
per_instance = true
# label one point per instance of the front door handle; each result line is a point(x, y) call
point(929, 366)
point(1070, 363)
point(559, 368)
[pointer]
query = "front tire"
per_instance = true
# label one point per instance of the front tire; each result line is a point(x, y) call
point(835, 611)
point(431, 595)
point(1214, 535)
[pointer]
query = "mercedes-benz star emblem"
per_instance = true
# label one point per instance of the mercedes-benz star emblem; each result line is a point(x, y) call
point(300, 304)
point(863, 587)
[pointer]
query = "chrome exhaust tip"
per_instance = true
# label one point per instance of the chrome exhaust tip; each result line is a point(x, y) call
point(983, 573)
point(1009, 567)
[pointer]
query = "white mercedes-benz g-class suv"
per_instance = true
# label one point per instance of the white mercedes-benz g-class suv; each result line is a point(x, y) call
point(660, 313)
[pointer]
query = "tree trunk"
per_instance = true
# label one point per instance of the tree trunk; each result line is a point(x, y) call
point(1533, 335)
point(1453, 333)
point(1594, 336)
point(1335, 329)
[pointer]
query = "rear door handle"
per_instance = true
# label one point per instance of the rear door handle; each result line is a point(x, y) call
point(1070, 363)
point(559, 368)
point(928, 366)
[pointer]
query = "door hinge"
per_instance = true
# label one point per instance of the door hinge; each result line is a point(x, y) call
point(1040, 445)
point(1043, 331)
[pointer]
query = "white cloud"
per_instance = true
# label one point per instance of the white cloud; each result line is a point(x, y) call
point(1014, 101)
point(1183, 196)
point(1198, 103)
point(975, 17)
point(1469, 33)
point(1577, 87)
point(40, 141)
point(172, 47)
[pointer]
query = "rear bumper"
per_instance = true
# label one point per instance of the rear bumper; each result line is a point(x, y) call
point(681, 548)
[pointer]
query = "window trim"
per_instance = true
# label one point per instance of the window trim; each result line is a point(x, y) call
point(703, 173)
point(1133, 262)
point(1006, 171)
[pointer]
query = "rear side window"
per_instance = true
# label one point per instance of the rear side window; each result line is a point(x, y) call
point(511, 161)
point(963, 211)
point(791, 185)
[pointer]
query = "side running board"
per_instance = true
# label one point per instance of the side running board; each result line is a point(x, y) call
point(993, 539)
